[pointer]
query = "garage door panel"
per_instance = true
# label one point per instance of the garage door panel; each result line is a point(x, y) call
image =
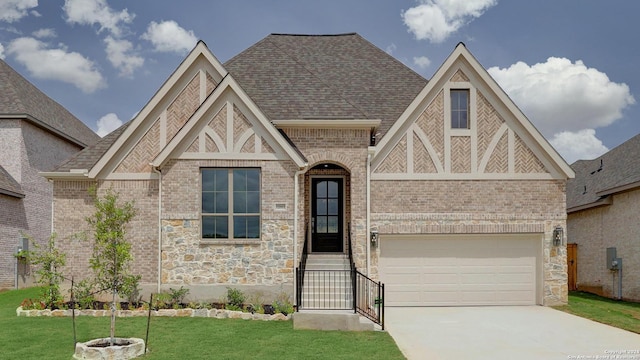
point(459, 271)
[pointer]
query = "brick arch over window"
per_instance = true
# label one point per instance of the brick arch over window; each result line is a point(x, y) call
point(332, 158)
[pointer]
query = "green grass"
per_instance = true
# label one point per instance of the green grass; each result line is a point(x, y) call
point(621, 314)
point(184, 338)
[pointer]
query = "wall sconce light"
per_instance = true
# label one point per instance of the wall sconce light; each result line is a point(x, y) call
point(374, 237)
point(557, 236)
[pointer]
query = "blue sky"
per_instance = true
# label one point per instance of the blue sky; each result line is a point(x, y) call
point(570, 65)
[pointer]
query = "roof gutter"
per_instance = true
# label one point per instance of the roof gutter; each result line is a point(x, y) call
point(598, 203)
point(44, 126)
point(328, 123)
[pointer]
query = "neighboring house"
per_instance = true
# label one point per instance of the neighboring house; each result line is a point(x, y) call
point(329, 140)
point(36, 134)
point(603, 203)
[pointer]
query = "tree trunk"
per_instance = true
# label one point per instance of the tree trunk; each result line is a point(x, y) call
point(113, 317)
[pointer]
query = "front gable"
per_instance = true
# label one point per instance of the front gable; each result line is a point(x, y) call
point(228, 126)
point(499, 143)
point(195, 95)
point(161, 118)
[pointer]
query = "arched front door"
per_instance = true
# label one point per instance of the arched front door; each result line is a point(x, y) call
point(327, 216)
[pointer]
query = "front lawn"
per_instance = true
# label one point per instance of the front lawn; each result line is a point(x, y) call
point(184, 338)
point(623, 315)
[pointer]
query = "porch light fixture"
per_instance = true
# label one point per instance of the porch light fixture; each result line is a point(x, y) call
point(557, 236)
point(374, 237)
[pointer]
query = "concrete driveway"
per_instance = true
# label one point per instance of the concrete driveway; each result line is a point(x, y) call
point(505, 332)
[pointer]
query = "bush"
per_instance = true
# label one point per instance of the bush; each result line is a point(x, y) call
point(83, 294)
point(235, 299)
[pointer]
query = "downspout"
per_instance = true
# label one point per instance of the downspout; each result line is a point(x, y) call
point(367, 242)
point(296, 189)
point(157, 171)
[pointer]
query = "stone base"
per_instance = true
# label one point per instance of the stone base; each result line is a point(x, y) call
point(134, 349)
point(331, 320)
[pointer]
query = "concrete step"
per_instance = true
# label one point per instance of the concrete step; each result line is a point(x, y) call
point(344, 320)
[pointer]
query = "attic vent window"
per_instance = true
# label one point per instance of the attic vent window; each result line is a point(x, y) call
point(459, 108)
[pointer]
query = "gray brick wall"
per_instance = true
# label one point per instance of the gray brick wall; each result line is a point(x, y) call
point(26, 150)
point(595, 230)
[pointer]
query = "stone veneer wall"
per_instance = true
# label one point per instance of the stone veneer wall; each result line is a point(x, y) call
point(347, 148)
point(208, 266)
point(594, 230)
point(480, 206)
point(72, 204)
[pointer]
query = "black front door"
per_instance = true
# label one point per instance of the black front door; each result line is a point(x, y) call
point(326, 215)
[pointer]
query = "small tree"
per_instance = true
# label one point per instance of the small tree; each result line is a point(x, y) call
point(49, 261)
point(111, 257)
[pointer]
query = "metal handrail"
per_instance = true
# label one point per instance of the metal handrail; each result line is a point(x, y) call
point(369, 298)
point(300, 270)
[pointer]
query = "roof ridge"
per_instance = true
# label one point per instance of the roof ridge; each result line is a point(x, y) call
point(328, 85)
point(315, 35)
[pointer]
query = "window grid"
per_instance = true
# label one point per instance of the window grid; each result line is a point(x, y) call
point(459, 108)
point(230, 217)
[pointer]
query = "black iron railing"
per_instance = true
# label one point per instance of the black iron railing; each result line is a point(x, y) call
point(369, 298)
point(300, 270)
point(326, 290)
point(339, 289)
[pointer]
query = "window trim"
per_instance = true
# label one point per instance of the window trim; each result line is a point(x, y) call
point(466, 91)
point(472, 120)
point(230, 214)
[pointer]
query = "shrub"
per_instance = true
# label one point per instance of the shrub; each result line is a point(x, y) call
point(50, 261)
point(83, 294)
point(283, 304)
point(177, 296)
point(235, 299)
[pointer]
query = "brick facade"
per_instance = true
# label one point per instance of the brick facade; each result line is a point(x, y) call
point(73, 204)
point(596, 229)
point(26, 150)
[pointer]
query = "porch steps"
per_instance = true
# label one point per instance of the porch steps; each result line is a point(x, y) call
point(344, 320)
point(327, 282)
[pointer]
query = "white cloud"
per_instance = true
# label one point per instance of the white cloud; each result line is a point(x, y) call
point(14, 10)
point(56, 64)
point(90, 12)
point(422, 62)
point(390, 49)
point(45, 33)
point(1, 51)
point(168, 36)
point(107, 124)
point(580, 145)
point(35, 13)
point(435, 20)
point(120, 54)
point(559, 95)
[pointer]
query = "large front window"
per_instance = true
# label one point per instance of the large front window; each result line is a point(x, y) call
point(231, 203)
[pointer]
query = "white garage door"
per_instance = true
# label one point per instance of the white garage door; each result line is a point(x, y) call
point(454, 270)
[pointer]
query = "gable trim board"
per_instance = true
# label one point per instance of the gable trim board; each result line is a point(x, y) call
point(228, 93)
point(198, 59)
point(518, 124)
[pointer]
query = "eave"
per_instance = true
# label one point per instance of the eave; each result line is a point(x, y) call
point(44, 126)
point(328, 123)
point(598, 203)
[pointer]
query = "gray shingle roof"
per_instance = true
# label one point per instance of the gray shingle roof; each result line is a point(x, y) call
point(89, 156)
point(325, 76)
point(8, 185)
point(620, 168)
point(19, 97)
point(297, 77)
